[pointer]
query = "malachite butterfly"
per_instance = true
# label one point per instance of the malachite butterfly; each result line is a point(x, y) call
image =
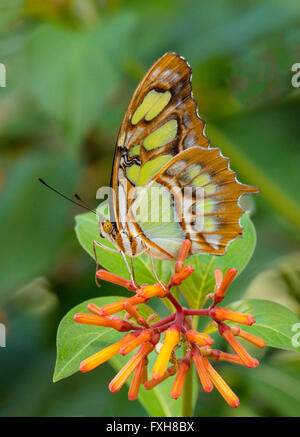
point(162, 149)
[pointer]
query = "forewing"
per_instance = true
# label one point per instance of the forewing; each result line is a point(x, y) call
point(160, 122)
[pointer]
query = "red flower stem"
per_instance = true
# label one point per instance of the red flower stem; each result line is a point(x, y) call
point(163, 321)
point(174, 301)
point(136, 328)
point(163, 328)
point(202, 312)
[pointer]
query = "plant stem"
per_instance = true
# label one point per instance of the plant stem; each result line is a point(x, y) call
point(174, 301)
point(187, 394)
point(201, 312)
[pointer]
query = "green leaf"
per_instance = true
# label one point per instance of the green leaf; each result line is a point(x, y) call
point(238, 255)
point(75, 342)
point(274, 323)
point(275, 386)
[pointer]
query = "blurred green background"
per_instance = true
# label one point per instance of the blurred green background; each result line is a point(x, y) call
point(71, 68)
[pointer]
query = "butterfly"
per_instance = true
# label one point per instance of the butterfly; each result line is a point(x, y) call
point(162, 149)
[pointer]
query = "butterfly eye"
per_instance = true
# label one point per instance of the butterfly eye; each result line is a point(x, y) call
point(107, 227)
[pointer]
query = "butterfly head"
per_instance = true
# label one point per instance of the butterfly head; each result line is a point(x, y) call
point(106, 229)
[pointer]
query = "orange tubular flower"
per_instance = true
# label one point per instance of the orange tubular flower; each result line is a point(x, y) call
point(177, 387)
point(248, 361)
point(218, 278)
point(115, 279)
point(221, 385)
point(236, 330)
point(149, 291)
point(230, 358)
point(122, 376)
point(154, 382)
point(199, 338)
point(221, 314)
point(131, 310)
point(184, 273)
point(116, 307)
point(145, 371)
point(136, 382)
point(203, 374)
point(103, 355)
point(184, 252)
point(223, 284)
point(172, 337)
point(142, 337)
point(144, 333)
point(109, 322)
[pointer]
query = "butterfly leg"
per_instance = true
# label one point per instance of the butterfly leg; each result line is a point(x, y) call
point(96, 243)
point(130, 270)
point(153, 269)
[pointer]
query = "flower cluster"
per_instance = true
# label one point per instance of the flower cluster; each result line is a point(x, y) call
point(168, 334)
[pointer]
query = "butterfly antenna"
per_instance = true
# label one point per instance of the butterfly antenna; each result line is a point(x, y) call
point(82, 204)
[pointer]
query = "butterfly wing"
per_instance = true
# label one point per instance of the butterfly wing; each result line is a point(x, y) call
point(160, 122)
point(202, 193)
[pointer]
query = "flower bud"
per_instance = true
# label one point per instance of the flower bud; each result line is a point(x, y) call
point(136, 382)
point(172, 337)
point(109, 322)
point(122, 376)
point(115, 279)
point(194, 336)
point(225, 331)
point(203, 375)
point(178, 278)
point(221, 385)
point(177, 386)
point(148, 291)
point(103, 355)
point(183, 254)
point(221, 314)
point(236, 330)
point(141, 337)
point(221, 287)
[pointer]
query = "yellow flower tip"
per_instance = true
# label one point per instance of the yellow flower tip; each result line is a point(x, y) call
point(221, 385)
point(172, 337)
point(178, 384)
point(115, 279)
point(194, 336)
point(178, 278)
point(198, 360)
point(121, 377)
point(221, 314)
point(138, 339)
point(148, 291)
